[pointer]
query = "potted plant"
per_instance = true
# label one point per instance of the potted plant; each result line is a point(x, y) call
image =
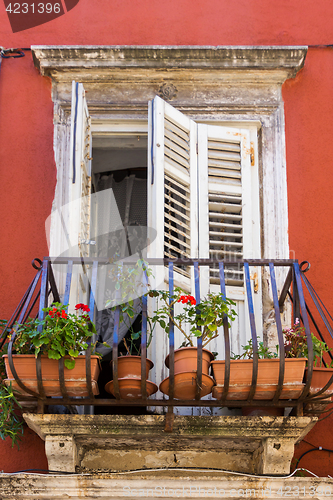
point(296, 346)
point(241, 369)
point(130, 288)
point(195, 320)
point(60, 335)
point(11, 422)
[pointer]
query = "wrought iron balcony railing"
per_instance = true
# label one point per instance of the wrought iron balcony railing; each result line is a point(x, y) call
point(43, 291)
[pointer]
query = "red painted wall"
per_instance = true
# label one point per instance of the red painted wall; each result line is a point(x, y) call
point(27, 167)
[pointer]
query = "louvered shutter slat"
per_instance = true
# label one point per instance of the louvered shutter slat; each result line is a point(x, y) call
point(175, 170)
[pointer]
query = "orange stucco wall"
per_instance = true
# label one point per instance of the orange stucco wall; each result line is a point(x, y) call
point(27, 167)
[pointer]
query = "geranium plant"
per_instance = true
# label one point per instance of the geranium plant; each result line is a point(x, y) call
point(296, 346)
point(204, 319)
point(11, 422)
point(58, 335)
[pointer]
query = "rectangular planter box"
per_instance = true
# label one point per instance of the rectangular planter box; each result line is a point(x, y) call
point(268, 375)
point(75, 379)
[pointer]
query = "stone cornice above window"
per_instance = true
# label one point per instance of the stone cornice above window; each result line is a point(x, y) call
point(206, 64)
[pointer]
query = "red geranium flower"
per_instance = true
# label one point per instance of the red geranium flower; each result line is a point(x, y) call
point(83, 307)
point(187, 298)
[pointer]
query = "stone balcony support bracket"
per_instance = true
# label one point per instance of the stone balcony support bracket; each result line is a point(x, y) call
point(111, 443)
point(61, 452)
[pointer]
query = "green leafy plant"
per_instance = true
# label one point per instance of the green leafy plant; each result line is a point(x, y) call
point(204, 319)
point(58, 335)
point(263, 352)
point(11, 424)
point(131, 282)
point(296, 346)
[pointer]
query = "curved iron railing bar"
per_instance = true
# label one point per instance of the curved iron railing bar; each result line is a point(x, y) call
point(93, 287)
point(144, 375)
point(308, 266)
point(329, 383)
point(253, 333)
point(115, 353)
point(314, 324)
point(171, 337)
point(313, 294)
point(39, 376)
point(296, 308)
point(30, 295)
point(312, 398)
point(13, 370)
point(61, 367)
point(298, 282)
point(226, 339)
point(199, 339)
point(32, 307)
point(280, 334)
point(63, 389)
point(115, 348)
point(42, 305)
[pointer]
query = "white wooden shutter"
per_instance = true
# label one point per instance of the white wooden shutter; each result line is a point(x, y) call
point(80, 184)
point(172, 186)
point(228, 216)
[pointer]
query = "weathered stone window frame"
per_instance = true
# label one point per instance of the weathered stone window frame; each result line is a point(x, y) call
point(230, 85)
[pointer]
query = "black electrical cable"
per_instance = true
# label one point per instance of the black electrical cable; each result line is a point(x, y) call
point(319, 448)
point(42, 470)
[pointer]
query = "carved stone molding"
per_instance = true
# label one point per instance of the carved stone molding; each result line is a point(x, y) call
point(85, 443)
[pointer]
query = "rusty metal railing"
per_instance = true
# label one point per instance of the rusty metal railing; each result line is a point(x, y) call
point(43, 291)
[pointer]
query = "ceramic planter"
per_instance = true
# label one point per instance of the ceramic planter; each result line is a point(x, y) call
point(320, 377)
point(75, 379)
point(185, 385)
point(268, 375)
point(186, 360)
point(130, 367)
point(186, 374)
point(129, 378)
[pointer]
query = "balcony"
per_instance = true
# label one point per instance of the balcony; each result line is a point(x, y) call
point(259, 444)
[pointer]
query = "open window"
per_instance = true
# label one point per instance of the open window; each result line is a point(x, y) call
point(199, 194)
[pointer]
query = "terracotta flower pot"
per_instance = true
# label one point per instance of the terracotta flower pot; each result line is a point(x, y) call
point(185, 385)
point(186, 360)
point(130, 367)
point(75, 379)
point(268, 375)
point(320, 377)
point(129, 378)
point(130, 388)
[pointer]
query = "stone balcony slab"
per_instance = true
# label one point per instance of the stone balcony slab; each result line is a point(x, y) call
point(110, 443)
